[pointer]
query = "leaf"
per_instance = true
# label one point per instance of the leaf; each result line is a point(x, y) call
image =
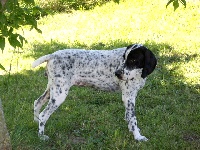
point(2, 67)
point(116, 1)
point(169, 3)
point(38, 30)
point(3, 17)
point(29, 1)
point(183, 2)
point(2, 42)
point(14, 41)
point(10, 31)
point(22, 39)
point(175, 4)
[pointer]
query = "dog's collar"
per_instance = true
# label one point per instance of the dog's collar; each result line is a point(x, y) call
point(135, 46)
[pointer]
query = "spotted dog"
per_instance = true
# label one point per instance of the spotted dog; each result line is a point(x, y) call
point(122, 69)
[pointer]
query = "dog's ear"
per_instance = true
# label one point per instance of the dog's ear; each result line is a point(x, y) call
point(150, 63)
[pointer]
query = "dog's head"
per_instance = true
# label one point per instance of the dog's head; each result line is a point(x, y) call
point(138, 61)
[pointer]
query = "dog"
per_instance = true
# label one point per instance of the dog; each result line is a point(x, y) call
point(124, 69)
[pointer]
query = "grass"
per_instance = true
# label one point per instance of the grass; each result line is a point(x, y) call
point(168, 108)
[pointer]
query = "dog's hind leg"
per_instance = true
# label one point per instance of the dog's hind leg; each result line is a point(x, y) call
point(40, 102)
point(58, 94)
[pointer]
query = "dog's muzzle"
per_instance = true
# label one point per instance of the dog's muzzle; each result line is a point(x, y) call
point(119, 74)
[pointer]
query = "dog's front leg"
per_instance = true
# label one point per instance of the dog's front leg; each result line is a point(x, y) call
point(128, 97)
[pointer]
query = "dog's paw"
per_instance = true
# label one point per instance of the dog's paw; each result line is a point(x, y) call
point(43, 137)
point(141, 138)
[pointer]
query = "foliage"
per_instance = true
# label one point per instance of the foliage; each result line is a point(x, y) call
point(2, 67)
point(69, 5)
point(176, 3)
point(15, 14)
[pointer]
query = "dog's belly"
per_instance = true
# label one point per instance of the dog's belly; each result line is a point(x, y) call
point(106, 85)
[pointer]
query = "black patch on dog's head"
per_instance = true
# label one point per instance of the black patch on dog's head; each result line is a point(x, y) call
point(141, 57)
point(135, 59)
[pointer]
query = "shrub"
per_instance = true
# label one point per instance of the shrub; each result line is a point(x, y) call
point(68, 5)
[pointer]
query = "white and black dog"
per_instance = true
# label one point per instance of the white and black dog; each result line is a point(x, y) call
point(122, 69)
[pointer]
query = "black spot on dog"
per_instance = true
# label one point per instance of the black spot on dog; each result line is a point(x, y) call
point(133, 128)
point(57, 75)
point(63, 67)
point(59, 61)
point(53, 101)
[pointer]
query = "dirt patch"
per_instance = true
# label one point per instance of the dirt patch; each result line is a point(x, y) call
point(191, 137)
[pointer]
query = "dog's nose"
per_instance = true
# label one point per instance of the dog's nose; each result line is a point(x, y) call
point(118, 73)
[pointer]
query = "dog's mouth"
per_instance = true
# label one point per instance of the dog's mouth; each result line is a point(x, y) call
point(120, 77)
point(119, 74)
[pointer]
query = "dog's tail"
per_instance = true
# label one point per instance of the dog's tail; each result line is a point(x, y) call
point(41, 60)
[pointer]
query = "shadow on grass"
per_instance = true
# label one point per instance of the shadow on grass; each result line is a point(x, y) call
point(167, 108)
point(69, 6)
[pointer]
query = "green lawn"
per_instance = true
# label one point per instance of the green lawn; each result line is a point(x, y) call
point(168, 107)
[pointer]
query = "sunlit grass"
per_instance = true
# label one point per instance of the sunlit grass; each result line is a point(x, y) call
point(167, 108)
